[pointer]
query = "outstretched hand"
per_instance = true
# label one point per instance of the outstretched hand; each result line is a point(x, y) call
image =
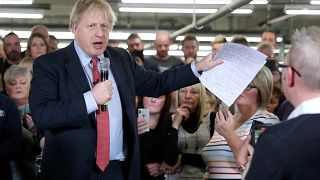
point(208, 62)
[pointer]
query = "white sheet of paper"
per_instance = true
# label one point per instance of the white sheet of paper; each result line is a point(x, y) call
point(228, 80)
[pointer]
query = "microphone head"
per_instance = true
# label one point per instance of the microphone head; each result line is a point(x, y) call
point(104, 64)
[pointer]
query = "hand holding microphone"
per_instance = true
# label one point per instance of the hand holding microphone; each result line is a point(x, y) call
point(102, 91)
point(104, 70)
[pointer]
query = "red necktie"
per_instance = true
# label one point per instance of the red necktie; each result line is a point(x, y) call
point(103, 134)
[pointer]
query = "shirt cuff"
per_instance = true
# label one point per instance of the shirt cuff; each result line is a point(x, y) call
point(194, 70)
point(91, 103)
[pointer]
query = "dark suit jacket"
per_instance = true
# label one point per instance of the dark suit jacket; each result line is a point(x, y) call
point(289, 150)
point(57, 106)
point(10, 135)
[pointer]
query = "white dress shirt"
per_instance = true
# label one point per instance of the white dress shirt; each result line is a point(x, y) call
point(311, 106)
point(117, 151)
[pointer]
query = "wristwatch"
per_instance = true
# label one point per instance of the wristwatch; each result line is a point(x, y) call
point(242, 168)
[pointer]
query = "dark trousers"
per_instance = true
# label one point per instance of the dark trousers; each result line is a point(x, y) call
point(113, 171)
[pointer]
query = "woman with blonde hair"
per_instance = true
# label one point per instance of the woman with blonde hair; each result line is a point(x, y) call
point(221, 153)
point(188, 133)
point(28, 63)
point(17, 83)
point(218, 42)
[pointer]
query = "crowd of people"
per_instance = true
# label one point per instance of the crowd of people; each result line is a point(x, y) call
point(25, 142)
point(51, 107)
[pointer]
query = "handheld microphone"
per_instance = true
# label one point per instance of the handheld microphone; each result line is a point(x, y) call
point(104, 68)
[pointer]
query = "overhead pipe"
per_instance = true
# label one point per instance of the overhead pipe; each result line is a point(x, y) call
point(219, 13)
point(269, 22)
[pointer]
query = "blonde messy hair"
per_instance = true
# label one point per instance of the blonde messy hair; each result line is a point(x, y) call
point(81, 7)
point(264, 83)
point(201, 108)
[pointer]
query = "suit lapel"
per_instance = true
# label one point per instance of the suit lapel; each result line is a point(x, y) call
point(116, 71)
point(118, 74)
point(75, 70)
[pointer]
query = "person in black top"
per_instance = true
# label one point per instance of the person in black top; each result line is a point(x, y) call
point(152, 135)
point(12, 49)
point(10, 135)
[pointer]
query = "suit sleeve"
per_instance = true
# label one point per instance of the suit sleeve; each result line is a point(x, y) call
point(268, 160)
point(153, 84)
point(170, 149)
point(54, 100)
point(11, 135)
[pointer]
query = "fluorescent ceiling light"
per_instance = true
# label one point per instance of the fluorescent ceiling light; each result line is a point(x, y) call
point(70, 36)
point(242, 11)
point(166, 10)
point(21, 13)
point(16, 1)
point(204, 48)
point(314, 2)
point(189, 1)
point(147, 36)
point(119, 35)
point(113, 35)
point(302, 9)
point(199, 38)
point(179, 8)
point(303, 12)
point(67, 35)
point(259, 2)
point(62, 35)
point(21, 34)
point(255, 39)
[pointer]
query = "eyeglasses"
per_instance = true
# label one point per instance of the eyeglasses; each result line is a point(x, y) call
point(249, 87)
point(286, 66)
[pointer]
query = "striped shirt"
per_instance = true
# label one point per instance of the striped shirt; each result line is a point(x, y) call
point(218, 155)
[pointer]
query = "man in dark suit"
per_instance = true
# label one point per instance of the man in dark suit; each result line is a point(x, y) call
point(10, 135)
point(290, 150)
point(63, 99)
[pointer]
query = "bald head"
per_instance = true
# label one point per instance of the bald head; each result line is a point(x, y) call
point(41, 29)
point(162, 43)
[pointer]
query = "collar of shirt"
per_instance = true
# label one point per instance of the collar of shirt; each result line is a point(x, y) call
point(248, 123)
point(84, 58)
point(306, 107)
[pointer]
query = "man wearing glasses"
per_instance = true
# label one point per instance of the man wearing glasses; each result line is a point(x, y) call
point(290, 150)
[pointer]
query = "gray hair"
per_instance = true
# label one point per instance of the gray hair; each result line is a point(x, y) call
point(304, 55)
point(14, 71)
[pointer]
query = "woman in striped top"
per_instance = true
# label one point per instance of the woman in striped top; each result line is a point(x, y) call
point(221, 152)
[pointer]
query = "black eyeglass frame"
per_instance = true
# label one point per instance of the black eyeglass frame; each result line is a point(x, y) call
point(249, 87)
point(286, 66)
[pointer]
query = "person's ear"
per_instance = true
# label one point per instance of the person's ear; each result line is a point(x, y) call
point(290, 77)
point(73, 28)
